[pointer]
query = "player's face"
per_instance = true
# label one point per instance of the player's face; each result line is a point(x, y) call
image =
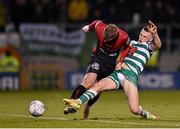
point(145, 36)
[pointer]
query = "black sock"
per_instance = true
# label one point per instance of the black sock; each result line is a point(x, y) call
point(78, 91)
point(92, 101)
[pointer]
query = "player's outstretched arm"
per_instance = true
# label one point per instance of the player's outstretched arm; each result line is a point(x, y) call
point(153, 29)
point(91, 26)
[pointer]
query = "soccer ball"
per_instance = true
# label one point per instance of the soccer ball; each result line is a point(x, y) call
point(36, 108)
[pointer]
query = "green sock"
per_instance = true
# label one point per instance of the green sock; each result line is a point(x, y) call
point(89, 94)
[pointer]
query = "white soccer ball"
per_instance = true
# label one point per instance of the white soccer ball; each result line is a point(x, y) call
point(36, 108)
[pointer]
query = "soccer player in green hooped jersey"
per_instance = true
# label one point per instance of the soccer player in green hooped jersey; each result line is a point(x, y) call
point(126, 74)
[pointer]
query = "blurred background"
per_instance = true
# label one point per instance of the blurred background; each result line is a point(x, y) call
point(42, 46)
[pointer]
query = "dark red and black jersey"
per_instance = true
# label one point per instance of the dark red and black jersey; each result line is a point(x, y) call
point(108, 47)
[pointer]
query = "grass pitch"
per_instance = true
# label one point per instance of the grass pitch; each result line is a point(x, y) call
point(110, 111)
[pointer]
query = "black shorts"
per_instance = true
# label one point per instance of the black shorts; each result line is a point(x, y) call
point(103, 67)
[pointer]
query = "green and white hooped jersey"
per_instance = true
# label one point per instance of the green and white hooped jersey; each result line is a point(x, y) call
point(139, 58)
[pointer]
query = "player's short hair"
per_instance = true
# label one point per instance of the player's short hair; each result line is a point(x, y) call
point(110, 32)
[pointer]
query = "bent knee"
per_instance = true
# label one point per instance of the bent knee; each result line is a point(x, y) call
point(88, 85)
point(89, 80)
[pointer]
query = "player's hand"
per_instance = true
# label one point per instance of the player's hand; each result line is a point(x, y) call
point(118, 66)
point(152, 28)
point(85, 28)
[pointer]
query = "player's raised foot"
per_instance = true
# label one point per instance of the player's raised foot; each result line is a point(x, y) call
point(152, 116)
point(69, 110)
point(72, 103)
point(86, 112)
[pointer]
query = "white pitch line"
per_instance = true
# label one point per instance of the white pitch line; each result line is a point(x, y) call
point(26, 116)
point(97, 121)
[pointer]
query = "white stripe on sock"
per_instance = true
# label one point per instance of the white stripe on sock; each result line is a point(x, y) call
point(88, 98)
point(92, 91)
point(79, 101)
point(90, 94)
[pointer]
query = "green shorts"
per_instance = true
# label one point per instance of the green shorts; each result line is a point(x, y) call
point(129, 75)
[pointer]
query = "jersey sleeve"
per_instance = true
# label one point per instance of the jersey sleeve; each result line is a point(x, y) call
point(124, 37)
point(94, 24)
point(99, 29)
point(124, 53)
point(126, 45)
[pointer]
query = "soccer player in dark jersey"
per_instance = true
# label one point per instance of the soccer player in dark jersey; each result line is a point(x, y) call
point(111, 41)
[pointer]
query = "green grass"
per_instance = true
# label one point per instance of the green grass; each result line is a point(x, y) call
point(110, 111)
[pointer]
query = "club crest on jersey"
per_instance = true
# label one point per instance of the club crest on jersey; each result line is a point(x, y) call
point(95, 66)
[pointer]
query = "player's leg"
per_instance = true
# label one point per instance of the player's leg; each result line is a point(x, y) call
point(88, 80)
point(89, 105)
point(104, 84)
point(106, 70)
point(114, 81)
point(132, 96)
point(131, 92)
point(91, 102)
